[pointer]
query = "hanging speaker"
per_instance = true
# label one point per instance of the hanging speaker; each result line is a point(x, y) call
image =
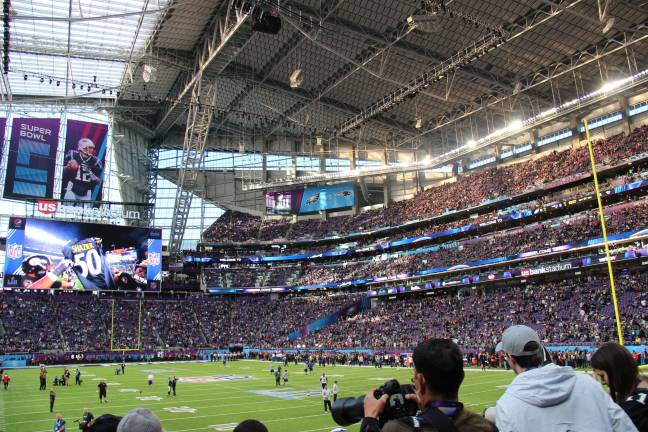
point(266, 23)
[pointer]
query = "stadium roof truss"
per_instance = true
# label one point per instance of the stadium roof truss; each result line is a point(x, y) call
point(424, 76)
point(352, 56)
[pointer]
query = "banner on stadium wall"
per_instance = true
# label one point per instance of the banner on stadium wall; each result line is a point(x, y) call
point(320, 198)
point(86, 144)
point(32, 158)
point(351, 309)
point(51, 254)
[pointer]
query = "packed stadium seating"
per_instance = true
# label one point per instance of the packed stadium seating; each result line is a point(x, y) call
point(564, 312)
point(468, 190)
point(555, 232)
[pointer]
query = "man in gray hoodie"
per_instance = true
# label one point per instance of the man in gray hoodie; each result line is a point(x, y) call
point(550, 397)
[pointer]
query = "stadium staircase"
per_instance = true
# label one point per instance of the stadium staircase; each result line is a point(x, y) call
point(2, 329)
point(157, 336)
point(263, 277)
point(289, 230)
point(201, 332)
point(292, 280)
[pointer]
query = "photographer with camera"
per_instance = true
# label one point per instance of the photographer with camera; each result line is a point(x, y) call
point(429, 405)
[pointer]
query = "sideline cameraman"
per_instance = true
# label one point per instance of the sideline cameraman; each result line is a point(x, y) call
point(438, 373)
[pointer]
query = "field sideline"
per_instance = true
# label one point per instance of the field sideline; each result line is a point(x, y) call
point(217, 399)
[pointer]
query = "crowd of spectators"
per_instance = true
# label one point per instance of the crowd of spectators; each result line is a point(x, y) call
point(563, 312)
point(556, 232)
point(82, 323)
point(466, 191)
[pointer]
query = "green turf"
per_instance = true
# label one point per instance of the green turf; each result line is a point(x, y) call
point(26, 409)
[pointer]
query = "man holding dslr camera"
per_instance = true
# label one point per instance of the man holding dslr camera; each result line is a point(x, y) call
point(438, 373)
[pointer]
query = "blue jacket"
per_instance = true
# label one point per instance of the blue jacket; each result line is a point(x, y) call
point(557, 399)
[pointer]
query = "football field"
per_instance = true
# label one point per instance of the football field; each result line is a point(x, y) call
point(211, 397)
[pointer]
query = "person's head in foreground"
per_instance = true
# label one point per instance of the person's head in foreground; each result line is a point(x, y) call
point(616, 368)
point(438, 374)
point(550, 397)
point(140, 420)
point(523, 348)
point(104, 423)
point(250, 426)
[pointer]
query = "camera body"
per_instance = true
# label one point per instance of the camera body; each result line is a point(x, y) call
point(346, 411)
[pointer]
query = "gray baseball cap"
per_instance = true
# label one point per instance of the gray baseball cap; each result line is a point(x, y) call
point(515, 338)
point(140, 420)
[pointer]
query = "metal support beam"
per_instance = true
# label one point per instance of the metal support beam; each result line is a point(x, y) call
point(405, 47)
point(360, 60)
point(284, 51)
point(308, 97)
point(461, 58)
point(151, 193)
point(461, 153)
point(218, 48)
point(592, 53)
point(201, 112)
point(419, 83)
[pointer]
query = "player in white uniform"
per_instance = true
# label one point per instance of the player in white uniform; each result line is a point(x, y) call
point(82, 171)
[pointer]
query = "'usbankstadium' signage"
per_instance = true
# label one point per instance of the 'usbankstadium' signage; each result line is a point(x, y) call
point(102, 212)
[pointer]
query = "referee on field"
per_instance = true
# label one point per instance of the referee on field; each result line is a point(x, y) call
point(326, 395)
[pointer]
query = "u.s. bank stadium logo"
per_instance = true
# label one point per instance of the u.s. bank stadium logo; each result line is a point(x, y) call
point(216, 378)
point(14, 251)
point(153, 259)
point(47, 207)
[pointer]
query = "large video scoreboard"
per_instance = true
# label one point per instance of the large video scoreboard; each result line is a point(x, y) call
point(52, 254)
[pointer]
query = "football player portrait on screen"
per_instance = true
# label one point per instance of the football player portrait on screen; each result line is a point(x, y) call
point(82, 171)
point(40, 273)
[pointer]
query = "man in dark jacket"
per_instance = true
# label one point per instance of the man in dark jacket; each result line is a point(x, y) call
point(438, 373)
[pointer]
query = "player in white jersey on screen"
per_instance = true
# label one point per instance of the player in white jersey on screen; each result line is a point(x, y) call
point(82, 171)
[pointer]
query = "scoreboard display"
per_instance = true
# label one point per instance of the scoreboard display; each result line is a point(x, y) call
point(52, 254)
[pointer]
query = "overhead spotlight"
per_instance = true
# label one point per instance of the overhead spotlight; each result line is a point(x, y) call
point(149, 73)
point(73, 85)
point(50, 81)
point(424, 23)
point(517, 88)
point(25, 77)
point(58, 83)
point(42, 80)
point(296, 78)
point(609, 23)
point(419, 123)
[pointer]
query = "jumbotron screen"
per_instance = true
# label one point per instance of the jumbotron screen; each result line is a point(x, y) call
point(52, 254)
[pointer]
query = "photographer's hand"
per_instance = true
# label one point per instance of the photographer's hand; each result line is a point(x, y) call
point(374, 407)
point(413, 397)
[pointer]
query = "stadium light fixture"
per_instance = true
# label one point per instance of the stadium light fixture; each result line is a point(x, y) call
point(513, 127)
point(611, 86)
